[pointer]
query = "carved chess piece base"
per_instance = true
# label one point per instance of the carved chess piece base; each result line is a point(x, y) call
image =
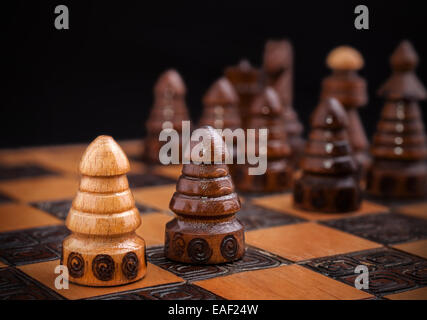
point(327, 193)
point(398, 179)
point(122, 260)
point(204, 242)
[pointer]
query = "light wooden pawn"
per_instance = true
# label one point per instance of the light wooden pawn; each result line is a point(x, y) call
point(103, 249)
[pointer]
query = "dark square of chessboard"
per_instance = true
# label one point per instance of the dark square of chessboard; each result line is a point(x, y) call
point(256, 217)
point(60, 208)
point(253, 259)
point(16, 285)
point(390, 271)
point(387, 228)
point(4, 199)
point(147, 179)
point(23, 171)
point(175, 291)
point(32, 245)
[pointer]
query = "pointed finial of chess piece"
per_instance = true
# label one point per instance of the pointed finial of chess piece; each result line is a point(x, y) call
point(220, 106)
point(345, 58)
point(170, 83)
point(221, 93)
point(267, 103)
point(104, 157)
point(329, 115)
point(103, 248)
point(403, 82)
point(404, 57)
point(206, 230)
point(328, 182)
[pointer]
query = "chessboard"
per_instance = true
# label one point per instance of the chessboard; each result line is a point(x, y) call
point(290, 254)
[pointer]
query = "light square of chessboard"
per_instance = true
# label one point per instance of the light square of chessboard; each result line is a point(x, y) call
point(418, 248)
point(171, 171)
point(418, 210)
point(15, 216)
point(62, 159)
point(417, 294)
point(286, 282)
point(152, 228)
point(155, 197)
point(308, 240)
point(41, 189)
point(45, 273)
point(2, 265)
point(132, 148)
point(284, 203)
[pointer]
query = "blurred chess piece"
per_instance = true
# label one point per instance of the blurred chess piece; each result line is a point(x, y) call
point(221, 106)
point(168, 112)
point(266, 112)
point(221, 111)
point(399, 146)
point(205, 230)
point(329, 182)
point(103, 249)
point(246, 80)
point(278, 65)
point(350, 89)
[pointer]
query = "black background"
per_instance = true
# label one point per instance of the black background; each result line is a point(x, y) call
point(65, 86)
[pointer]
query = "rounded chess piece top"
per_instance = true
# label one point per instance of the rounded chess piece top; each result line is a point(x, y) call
point(329, 114)
point(404, 57)
point(221, 93)
point(243, 72)
point(278, 55)
point(344, 58)
point(104, 157)
point(211, 147)
point(170, 82)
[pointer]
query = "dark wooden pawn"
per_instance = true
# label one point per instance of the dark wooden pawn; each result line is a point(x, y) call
point(329, 181)
point(267, 113)
point(278, 64)
point(205, 230)
point(169, 110)
point(246, 80)
point(221, 111)
point(350, 89)
point(399, 146)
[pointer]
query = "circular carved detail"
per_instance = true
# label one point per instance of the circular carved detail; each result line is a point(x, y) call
point(103, 267)
point(229, 247)
point(178, 245)
point(199, 251)
point(130, 265)
point(76, 265)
